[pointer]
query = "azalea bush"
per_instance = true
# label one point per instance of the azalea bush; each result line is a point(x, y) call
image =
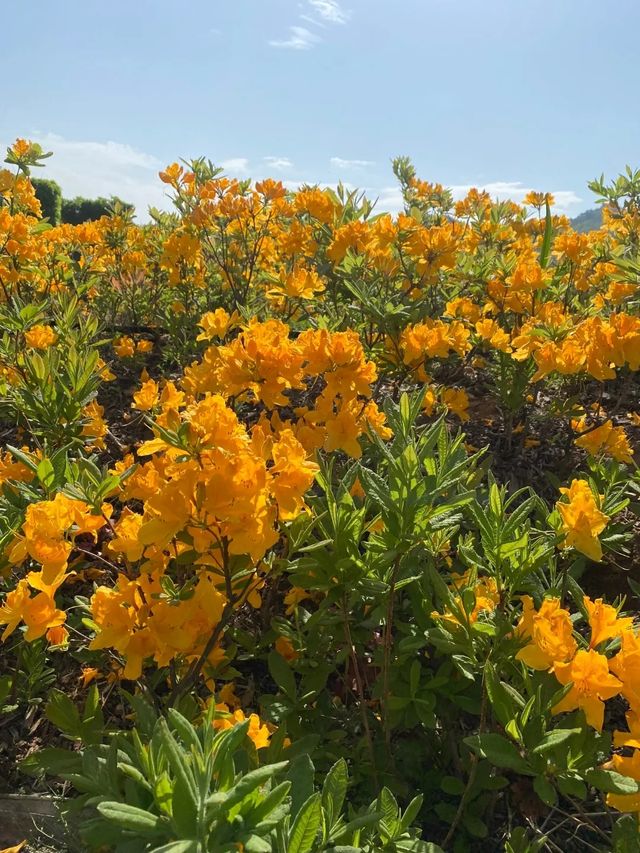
point(318, 526)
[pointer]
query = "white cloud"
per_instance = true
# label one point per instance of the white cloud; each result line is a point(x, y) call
point(92, 169)
point(236, 166)
point(318, 13)
point(389, 199)
point(300, 38)
point(280, 163)
point(341, 163)
point(330, 10)
point(311, 20)
point(565, 200)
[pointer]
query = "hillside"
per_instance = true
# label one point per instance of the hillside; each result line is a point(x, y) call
point(590, 220)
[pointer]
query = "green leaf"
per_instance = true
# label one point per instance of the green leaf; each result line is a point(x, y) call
point(554, 738)
point(625, 835)
point(282, 674)
point(226, 800)
point(357, 823)
point(177, 847)
point(301, 775)
point(270, 803)
point(545, 790)
point(611, 782)
point(178, 761)
point(334, 791)
point(499, 751)
point(52, 760)
point(390, 811)
point(131, 818)
point(411, 812)
point(63, 713)
point(46, 473)
point(184, 728)
point(452, 785)
point(475, 826)
point(184, 806)
point(572, 787)
point(306, 826)
point(545, 250)
point(501, 701)
point(92, 717)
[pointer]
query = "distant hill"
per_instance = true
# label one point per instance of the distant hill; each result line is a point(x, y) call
point(590, 220)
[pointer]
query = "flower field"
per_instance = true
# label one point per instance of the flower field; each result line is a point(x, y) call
point(319, 526)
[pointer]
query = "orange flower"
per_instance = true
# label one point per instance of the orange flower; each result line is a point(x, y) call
point(40, 337)
point(124, 347)
point(591, 683)
point(89, 674)
point(215, 324)
point(257, 731)
point(285, 647)
point(147, 397)
point(293, 598)
point(582, 521)
point(550, 634)
point(604, 621)
point(457, 401)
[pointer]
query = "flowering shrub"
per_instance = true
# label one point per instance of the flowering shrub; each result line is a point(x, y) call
point(238, 513)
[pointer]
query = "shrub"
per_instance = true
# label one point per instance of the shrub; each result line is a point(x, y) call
point(49, 195)
point(273, 518)
point(77, 210)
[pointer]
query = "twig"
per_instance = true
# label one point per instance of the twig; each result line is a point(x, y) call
point(359, 687)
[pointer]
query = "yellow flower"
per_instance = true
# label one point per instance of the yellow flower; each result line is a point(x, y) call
point(105, 373)
point(17, 848)
point(604, 621)
point(606, 439)
point(626, 665)
point(227, 695)
point(582, 521)
point(285, 647)
point(591, 683)
point(58, 636)
point(344, 429)
point(13, 608)
point(549, 631)
point(124, 347)
point(494, 334)
point(356, 491)
point(12, 469)
point(457, 401)
point(536, 199)
point(291, 474)
point(39, 613)
point(147, 397)
point(40, 337)
point(430, 401)
point(293, 598)
point(301, 284)
point(486, 597)
point(126, 540)
point(89, 674)
point(95, 429)
point(172, 174)
point(215, 324)
point(257, 731)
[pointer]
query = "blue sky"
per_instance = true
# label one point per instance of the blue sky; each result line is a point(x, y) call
point(507, 94)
